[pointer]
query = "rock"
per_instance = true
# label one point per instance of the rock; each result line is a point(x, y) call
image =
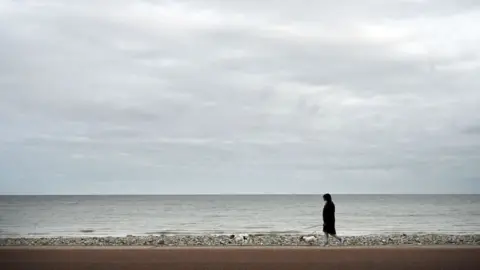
point(253, 240)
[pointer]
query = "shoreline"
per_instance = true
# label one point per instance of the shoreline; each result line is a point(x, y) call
point(317, 247)
point(271, 240)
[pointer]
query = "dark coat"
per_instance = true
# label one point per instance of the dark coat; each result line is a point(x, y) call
point(329, 218)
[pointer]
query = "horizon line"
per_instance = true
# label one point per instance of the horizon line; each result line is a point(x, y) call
point(220, 194)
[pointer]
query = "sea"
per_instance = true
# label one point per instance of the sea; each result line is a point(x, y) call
point(52, 216)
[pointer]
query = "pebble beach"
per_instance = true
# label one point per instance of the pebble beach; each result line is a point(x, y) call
point(250, 240)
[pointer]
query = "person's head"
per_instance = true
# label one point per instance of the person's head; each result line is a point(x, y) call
point(327, 197)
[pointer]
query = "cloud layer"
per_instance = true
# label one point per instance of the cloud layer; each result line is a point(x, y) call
point(240, 96)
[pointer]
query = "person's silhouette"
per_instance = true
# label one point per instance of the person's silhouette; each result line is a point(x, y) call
point(329, 219)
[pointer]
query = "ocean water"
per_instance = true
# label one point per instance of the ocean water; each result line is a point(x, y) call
point(38, 216)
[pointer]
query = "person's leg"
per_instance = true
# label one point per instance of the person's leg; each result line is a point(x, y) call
point(338, 238)
point(326, 239)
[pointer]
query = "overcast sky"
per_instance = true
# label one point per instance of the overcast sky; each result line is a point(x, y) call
point(239, 96)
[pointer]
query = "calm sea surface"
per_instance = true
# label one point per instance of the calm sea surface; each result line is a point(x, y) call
point(141, 215)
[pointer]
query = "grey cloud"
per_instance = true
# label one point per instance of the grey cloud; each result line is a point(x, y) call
point(216, 95)
point(472, 130)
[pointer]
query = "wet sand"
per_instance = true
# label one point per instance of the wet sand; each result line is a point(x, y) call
point(278, 258)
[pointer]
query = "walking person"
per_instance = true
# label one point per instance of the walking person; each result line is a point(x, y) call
point(329, 219)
